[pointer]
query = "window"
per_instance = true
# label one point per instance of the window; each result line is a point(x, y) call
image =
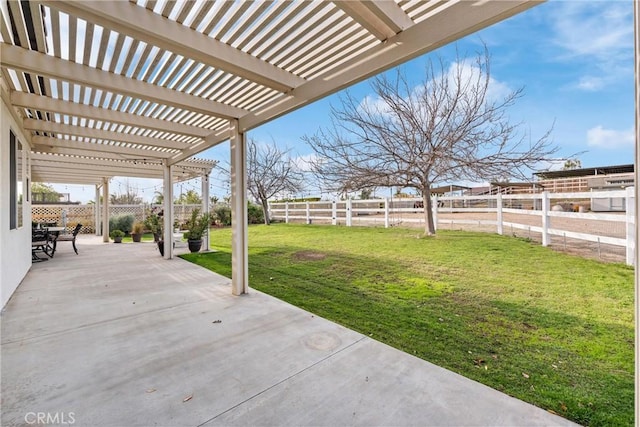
point(16, 172)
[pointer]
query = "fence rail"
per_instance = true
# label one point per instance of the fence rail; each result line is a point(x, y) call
point(564, 215)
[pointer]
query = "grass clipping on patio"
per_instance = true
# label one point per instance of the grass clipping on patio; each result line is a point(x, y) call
point(551, 329)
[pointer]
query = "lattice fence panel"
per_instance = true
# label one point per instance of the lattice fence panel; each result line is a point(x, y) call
point(181, 213)
point(75, 214)
point(84, 214)
point(137, 211)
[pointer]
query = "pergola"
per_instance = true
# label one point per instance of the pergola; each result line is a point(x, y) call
point(137, 88)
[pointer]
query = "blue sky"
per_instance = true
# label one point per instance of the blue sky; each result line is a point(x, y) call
point(573, 58)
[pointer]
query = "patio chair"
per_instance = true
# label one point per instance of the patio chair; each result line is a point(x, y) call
point(40, 243)
point(71, 237)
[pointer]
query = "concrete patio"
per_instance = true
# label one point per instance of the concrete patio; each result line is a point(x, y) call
point(117, 336)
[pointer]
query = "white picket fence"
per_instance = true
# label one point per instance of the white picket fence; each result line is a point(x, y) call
point(534, 213)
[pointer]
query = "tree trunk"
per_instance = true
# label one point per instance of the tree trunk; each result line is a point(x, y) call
point(429, 227)
point(265, 210)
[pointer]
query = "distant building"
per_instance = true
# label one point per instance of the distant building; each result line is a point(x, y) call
point(586, 179)
point(602, 178)
point(50, 198)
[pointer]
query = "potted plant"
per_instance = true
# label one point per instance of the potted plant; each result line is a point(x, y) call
point(152, 223)
point(136, 231)
point(196, 227)
point(117, 236)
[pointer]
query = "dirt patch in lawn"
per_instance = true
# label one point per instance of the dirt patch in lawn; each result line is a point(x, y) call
point(309, 256)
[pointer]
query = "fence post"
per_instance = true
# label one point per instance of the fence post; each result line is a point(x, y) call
point(308, 213)
point(499, 213)
point(334, 212)
point(631, 231)
point(286, 212)
point(386, 212)
point(545, 218)
point(434, 210)
point(348, 213)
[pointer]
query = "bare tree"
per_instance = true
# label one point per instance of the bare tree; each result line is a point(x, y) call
point(454, 126)
point(270, 171)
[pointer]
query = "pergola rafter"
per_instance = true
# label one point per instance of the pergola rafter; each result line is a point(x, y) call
point(51, 67)
point(46, 104)
point(145, 25)
point(125, 139)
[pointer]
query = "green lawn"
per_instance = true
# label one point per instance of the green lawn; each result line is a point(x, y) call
point(552, 329)
point(146, 237)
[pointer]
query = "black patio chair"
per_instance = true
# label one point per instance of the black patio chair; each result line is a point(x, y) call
point(40, 243)
point(70, 237)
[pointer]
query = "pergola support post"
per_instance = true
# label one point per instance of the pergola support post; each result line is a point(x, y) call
point(239, 238)
point(205, 209)
point(636, 175)
point(168, 210)
point(105, 210)
point(96, 211)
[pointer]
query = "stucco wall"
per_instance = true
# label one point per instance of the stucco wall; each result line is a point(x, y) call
point(15, 245)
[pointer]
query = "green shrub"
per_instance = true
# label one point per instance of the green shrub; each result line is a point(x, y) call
point(222, 215)
point(255, 214)
point(152, 223)
point(123, 223)
point(116, 233)
point(197, 225)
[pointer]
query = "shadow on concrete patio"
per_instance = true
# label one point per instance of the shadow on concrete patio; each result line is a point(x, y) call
point(117, 336)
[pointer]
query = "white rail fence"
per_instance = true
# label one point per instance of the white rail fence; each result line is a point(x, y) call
point(552, 215)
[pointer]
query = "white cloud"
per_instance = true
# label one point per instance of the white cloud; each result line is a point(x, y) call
point(304, 162)
point(610, 138)
point(496, 90)
point(469, 76)
point(592, 83)
point(598, 32)
point(551, 165)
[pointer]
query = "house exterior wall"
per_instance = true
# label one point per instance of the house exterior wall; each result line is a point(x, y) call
point(15, 245)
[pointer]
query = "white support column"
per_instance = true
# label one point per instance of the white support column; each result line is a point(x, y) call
point(636, 55)
point(386, 212)
point(348, 213)
point(239, 238)
point(308, 212)
point(105, 210)
point(545, 218)
point(631, 226)
point(167, 217)
point(286, 212)
point(96, 213)
point(499, 213)
point(434, 210)
point(205, 209)
point(334, 213)
point(636, 175)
